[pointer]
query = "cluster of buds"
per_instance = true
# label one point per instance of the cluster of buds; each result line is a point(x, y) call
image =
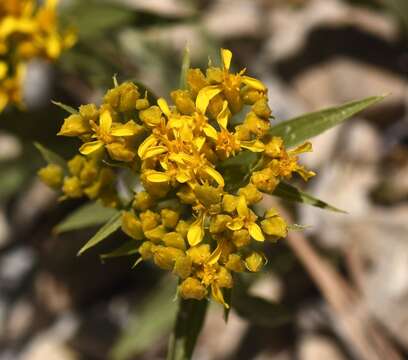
point(27, 31)
point(184, 219)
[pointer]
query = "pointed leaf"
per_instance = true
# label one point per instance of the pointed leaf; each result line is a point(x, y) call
point(130, 247)
point(109, 228)
point(50, 156)
point(291, 193)
point(304, 127)
point(90, 214)
point(190, 320)
point(67, 108)
point(185, 65)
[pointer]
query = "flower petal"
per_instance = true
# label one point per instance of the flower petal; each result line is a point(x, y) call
point(214, 174)
point(306, 147)
point(254, 145)
point(122, 130)
point(157, 177)
point(154, 151)
point(217, 295)
point(226, 56)
point(210, 132)
point(204, 97)
point(256, 232)
point(105, 122)
point(224, 115)
point(164, 107)
point(254, 83)
point(148, 142)
point(242, 207)
point(90, 147)
point(196, 232)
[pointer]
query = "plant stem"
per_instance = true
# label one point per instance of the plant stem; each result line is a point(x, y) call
point(189, 322)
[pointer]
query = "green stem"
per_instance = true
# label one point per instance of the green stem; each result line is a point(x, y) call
point(189, 322)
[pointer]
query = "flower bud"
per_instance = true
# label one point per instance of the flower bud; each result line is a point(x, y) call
point(149, 220)
point(52, 175)
point(254, 262)
point(241, 238)
point(169, 218)
point(218, 223)
point(262, 109)
point(251, 193)
point(151, 116)
point(156, 235)
point(146, 250)
point(132, 226)
point(175, 240)
point(142, 201)
point(72, 187)
point(183, 101)
point(74, 125)
point(165, 257)
point(235, 263)
point(199, 254)
point(183, 266)
point(191, 288)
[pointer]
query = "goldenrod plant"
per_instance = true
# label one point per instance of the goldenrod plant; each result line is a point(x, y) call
point(27, 31)
point(201, 164)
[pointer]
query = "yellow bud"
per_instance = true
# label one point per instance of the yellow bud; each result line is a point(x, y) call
point(132, 226)
point(214, 75)
point(183, 101)
point(229, 203)
point(182, 228)
point(186, 195)
point(254, 262)
point(199, 254)
point(89, 173)
point(129, 95)
point(274, 148)
point(72, 187)
point(224, 278)
point(265, 180)
point(196, 81)
point(120, 152)
point(274, 226)
point(89, 112)
point(74, 125)
point(218, 223)
point(208, 195)
point(146, 250)
point(262, 109)
point(142, 104)
point(235, 263)
point(255, 124)
point(165, 257)
point(52, 175)
point(175, 240)
point(156, 235)
point(151, 116)
point(169, 218)
point(250, 96)
point(149, 220)
point(251, 193)
point(241, 238)
point(142, 201)
point(75, 164)
point(191, 288)
point(183, 267)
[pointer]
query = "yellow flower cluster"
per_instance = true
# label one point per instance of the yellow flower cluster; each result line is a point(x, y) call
point(26, 32)
point(185, 219)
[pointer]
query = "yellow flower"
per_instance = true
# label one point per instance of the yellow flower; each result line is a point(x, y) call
point(246, 219)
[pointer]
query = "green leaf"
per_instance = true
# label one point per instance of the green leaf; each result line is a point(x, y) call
point(289, 192)
point(304, 127)
point(185, 66)
point(148, 323)
point(128, 248)
point(90, 214)
point(67, 108)
point(190, 320)
point(51, 157)
point(109, 228)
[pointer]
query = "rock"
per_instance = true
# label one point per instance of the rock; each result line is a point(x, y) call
point(317, 347)
point(228, 19)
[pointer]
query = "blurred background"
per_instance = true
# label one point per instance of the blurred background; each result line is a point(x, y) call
point(311, 54)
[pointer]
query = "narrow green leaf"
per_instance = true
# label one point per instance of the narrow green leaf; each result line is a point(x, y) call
point(109, 228)
point(67, 108)
point(128, 248)
point(50, 156)
point(185, 65)
point(148, 323)
point(298, 227)
point(304, 127)
point(90, 214)
point(190, 320)
point(289, 192)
